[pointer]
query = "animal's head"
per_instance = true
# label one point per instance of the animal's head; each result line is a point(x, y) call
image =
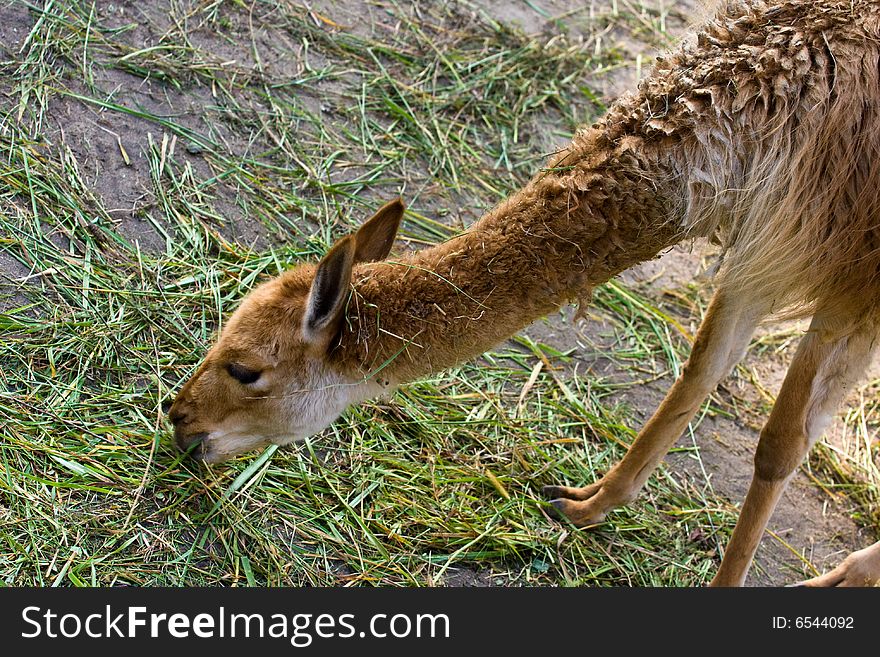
point(269, 378)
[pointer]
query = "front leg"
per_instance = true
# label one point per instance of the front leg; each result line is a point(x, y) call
point(861, 568)
point(720, 343)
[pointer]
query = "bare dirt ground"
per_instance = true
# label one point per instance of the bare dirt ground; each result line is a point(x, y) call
point(809, 521)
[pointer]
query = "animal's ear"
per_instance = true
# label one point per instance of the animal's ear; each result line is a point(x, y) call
point(376, 237)
point(329, 292)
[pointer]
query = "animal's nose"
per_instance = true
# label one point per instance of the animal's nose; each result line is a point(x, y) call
point(177, 413)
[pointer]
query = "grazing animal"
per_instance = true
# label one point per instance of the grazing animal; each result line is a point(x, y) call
point(761, 131)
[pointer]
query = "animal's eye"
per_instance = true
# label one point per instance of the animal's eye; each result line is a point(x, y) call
point(242, 374)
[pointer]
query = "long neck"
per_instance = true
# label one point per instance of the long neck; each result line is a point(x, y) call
point(597, 209)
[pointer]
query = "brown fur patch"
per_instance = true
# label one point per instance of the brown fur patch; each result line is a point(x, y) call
point(762, 129)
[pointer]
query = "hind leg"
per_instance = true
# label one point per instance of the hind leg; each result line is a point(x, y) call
point(815, 383)
point(720, 343)
point(861, 568)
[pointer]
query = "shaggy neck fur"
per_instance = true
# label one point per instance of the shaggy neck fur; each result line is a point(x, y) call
point(767, 110)
point(600, 207)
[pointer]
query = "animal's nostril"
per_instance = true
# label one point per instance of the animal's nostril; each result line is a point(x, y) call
point(166, 406)
point(176, 414)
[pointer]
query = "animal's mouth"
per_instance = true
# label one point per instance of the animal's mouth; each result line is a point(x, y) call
point(207, 455)
point(199, 447)
point(193, 444)
point(216, 447)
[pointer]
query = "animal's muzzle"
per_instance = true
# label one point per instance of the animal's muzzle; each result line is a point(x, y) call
point(186, 439)
point(193, 443)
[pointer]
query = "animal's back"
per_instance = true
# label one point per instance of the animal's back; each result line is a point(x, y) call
point(770, 113)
